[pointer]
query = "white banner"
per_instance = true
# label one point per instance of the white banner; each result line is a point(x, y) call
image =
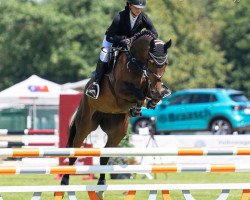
point(191, 141)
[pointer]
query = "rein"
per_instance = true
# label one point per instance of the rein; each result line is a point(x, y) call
point(143, 68)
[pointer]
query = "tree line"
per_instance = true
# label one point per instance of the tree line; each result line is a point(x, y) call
point(60, 40)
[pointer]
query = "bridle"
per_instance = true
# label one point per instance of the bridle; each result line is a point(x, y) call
point(144, 68)
point(156, 58)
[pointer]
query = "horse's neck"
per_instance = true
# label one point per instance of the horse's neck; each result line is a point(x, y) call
point(140, 48)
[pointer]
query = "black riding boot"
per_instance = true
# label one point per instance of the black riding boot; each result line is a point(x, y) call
point(94, 89)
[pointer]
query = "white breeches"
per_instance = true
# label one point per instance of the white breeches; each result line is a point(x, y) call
point(106, 46)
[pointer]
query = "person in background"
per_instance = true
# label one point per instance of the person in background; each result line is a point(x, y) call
point(124, 25)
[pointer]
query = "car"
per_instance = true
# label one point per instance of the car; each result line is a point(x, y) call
point(221, 111)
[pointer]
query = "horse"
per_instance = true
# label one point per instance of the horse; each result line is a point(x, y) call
point(134, 81)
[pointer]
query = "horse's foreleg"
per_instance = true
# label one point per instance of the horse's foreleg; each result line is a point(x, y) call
point(136, 111)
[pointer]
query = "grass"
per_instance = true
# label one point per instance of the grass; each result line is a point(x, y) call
point(15, 180)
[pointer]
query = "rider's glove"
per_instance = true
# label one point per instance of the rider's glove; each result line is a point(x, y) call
point(125, 42)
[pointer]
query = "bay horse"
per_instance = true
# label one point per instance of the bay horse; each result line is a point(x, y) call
point(135, 78)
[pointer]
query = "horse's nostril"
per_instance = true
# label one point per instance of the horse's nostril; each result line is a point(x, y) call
point(161, 93)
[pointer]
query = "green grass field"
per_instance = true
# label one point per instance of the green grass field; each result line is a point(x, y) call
point(15, 180)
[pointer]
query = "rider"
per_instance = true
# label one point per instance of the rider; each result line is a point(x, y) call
point(125, 24)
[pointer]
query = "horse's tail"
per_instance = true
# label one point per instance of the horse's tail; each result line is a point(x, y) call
point(72, 131)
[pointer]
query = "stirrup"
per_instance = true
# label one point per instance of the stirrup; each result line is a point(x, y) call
point(93, 90)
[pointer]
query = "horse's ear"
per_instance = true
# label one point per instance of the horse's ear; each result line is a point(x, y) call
point(152, 45)
point(167, 45)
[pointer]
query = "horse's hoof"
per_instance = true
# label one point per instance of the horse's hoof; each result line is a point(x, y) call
point(65, 180)
point(100, 195)
point(134, 112)
point(101, 182)
point(151, 104)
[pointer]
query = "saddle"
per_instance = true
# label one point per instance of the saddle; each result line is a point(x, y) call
point(113, 56)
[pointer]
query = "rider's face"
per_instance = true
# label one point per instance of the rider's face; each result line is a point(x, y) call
point(135, 11)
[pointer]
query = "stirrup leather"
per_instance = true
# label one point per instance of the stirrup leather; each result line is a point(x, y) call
point(93, 90)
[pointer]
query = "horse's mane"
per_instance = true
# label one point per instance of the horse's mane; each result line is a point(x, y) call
point(157, 47)
point(146, 33)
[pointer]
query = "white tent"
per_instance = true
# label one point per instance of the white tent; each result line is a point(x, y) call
point(34, 90)
point(79, 85)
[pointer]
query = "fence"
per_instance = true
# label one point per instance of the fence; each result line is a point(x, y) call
point(108, 152)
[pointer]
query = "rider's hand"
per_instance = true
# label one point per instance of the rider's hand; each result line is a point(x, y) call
point(125, 42)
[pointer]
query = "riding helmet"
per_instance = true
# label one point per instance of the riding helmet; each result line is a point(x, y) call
point(138, 3)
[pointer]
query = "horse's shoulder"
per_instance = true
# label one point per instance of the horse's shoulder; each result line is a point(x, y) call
point(110, 77)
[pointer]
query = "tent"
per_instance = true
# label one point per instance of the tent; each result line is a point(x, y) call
point(32, 103)
point(79, 85)
point(34, 90)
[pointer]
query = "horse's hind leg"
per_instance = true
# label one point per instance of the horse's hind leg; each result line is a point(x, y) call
point(80, 128)
point(116, 128)
point(72, 133)
point(75, 140)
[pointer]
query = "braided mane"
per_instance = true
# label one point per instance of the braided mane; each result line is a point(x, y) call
point(157, 49)
point(146, 33)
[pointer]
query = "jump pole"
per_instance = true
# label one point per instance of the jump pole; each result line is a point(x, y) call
point(29, 132)
point(115, 152)
point(169, 168)
point(132, 189)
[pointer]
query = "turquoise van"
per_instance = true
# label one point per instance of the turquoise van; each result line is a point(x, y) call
point(221, 111)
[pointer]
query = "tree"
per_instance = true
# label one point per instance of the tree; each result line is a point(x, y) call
point(195, 61)
point(58, 40)
point(36, 40)
point(61, 40)
point(235, 40)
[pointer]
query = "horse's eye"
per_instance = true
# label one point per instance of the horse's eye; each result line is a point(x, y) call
point(151, 61)
point(160, 66)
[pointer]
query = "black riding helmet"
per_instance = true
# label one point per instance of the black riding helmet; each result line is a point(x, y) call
point(138, 3)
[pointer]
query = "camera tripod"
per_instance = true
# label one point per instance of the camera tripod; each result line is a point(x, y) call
point(151, 143)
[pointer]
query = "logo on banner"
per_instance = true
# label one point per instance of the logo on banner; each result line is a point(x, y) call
point(38, 88)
